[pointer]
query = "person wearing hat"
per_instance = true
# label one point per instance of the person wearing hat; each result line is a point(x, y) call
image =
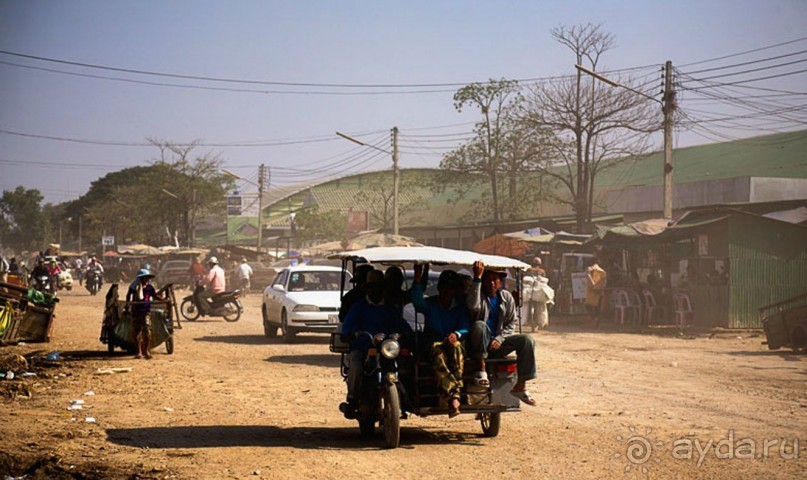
point(244, 274)
point(354, 294)
point(493, 316)
point(370, 314)
point(54, 270)
point(215, 279)
point(138, 301)
point(446, 324)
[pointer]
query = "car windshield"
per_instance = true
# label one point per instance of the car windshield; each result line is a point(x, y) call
point(314, 281)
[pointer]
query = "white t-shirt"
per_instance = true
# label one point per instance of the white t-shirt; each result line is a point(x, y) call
point(244, 271)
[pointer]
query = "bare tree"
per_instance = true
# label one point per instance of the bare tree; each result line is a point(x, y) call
point(592, 126)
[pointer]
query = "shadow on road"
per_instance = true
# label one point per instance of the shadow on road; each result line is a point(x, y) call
point(237, 339)
point(306, 438)
point(785, 354)
point(322, 360)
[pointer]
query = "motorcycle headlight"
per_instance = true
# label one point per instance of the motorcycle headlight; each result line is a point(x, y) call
point(306, 308)
point(390, 348)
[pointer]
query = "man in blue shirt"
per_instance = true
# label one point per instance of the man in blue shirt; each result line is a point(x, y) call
point(493, 316)
point(446, 324)
point(370, 314)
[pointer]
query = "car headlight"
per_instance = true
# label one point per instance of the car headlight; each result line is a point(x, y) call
point(306, 308)
point(390, 348)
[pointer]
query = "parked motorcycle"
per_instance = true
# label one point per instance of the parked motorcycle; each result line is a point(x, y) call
point(224, 304)
point(93, 282)
point(379, 395)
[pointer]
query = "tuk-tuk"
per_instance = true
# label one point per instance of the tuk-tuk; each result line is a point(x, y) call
point(398, 378)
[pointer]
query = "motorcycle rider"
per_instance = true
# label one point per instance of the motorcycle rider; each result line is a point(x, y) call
point(40, 270)
point(370, 314)
point(54, 270)
point(215, 279)
point(94, 266)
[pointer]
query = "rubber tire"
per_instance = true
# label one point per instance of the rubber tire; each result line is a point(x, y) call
point(189, 317)
point(169, 345)
point(491, 423)
point(288, 333)
point(367, 428)
point(392, 416)
point(232, 317)
point(269, 329)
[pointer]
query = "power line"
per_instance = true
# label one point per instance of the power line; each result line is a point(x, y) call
point(745, 63)
point(767, 47)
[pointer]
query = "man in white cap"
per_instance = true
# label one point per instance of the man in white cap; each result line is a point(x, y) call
point(244, 274)
point(216, 282)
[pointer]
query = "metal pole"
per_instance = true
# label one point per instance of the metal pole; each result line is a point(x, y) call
point(668, 107)
point(192, 239)
point(395, 180)
point(260, 207)
point(79, 232)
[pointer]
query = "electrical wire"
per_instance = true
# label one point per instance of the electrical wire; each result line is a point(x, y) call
point(767, 47)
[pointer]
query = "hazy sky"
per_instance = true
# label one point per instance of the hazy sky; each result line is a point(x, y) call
point(366, 43)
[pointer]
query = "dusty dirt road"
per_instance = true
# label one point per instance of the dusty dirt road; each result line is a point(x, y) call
point(231, 404)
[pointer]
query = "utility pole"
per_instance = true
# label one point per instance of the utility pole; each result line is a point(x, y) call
point(192, 232)
point(395, 179)
point(261, 177)
point(79, 231)
point(668, 107)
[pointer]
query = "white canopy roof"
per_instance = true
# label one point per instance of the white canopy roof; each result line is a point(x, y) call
point(436, 255)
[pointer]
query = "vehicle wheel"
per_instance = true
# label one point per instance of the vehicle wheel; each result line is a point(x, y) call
point(233, 312)
point(798, 339)
point(269, 329)
point(169, 345)
point(491, 423)
point(392, 416)
point(285, 330)
point(367, 428)
point(110, 347)
point(69, 288)
point(189, 310)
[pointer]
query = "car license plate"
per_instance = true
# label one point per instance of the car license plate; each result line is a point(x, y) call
point(333, 319)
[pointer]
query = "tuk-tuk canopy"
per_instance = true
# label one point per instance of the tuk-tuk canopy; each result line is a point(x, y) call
point(433, 255)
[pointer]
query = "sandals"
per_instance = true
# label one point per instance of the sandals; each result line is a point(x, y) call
point(481, 379)
point(524, 396)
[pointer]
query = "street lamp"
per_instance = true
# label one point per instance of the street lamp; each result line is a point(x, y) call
point(395, 172)
point(260, 199)
point(667, 108)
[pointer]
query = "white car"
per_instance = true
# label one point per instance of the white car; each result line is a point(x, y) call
point(303, 298)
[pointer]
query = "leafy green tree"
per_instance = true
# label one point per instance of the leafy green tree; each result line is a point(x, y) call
point(312, 225)
point(23, 224)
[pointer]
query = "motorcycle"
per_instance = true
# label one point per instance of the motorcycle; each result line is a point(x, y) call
point(380, 393)
point(224, 304)
point(42, 283)
point(93, 282)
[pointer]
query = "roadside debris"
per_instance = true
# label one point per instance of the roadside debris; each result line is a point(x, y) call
point(110, 371)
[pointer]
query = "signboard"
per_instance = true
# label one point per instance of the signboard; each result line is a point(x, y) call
point(579, 282)
point(233, 205)
point(107, 240)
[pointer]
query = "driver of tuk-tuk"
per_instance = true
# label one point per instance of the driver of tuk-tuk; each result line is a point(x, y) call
point(493, 315)
point(370, 314)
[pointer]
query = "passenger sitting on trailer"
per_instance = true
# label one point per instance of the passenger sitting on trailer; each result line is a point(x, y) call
point(493, 314)
point(370, 314)
point(446, 324)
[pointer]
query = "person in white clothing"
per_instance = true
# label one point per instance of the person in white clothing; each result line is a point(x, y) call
point(244, 274)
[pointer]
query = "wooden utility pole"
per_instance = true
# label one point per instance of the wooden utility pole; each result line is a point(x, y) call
point(395, 178)
point(668, 107)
